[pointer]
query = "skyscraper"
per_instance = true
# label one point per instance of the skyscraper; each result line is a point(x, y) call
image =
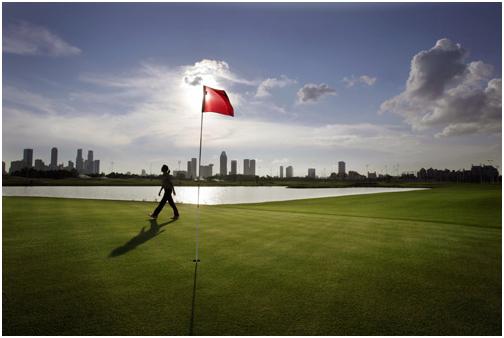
point(189, 172)
point(289, 172)
point(252, 168)
point(223, 164)
point(341, 168)
point(311, 172)
point(28, 158)
point(90, 162)
point(206, 170)
point(194, 164)
point(96, 167)
point(54, 159)
point(281, 171)
point(79, 161)
point(234, 169)
point(246, 167)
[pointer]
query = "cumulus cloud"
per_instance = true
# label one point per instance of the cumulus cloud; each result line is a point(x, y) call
point(314, 92)
point(265, 87)
point(363, 79)
point(446, 92)
point(25, 38)
point(211, 71)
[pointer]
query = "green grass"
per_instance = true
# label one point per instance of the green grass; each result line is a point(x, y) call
point(409, 263)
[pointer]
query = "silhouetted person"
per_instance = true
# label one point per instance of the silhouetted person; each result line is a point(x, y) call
point(167, 185)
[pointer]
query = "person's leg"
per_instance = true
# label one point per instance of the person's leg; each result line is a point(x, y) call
point(172, 204)
point(161, 205)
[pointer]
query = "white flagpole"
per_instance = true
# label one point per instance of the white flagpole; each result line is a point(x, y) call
point(199, 176)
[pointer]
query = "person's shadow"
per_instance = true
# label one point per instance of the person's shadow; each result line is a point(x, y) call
point(142, 237)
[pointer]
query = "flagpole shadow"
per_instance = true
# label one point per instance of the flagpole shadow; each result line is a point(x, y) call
point(191, 323)
point(142, 237)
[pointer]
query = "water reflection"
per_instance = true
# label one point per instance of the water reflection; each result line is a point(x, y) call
point(208, 195)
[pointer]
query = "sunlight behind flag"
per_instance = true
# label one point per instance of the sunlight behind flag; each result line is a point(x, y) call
point(216, 101)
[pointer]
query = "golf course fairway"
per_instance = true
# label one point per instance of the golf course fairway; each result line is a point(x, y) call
point(409, 263)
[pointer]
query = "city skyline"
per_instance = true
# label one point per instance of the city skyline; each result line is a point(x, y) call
point(339, 169)
point(367, 90)
point(83, 166)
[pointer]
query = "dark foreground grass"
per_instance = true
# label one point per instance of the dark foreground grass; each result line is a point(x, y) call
point(423, 263)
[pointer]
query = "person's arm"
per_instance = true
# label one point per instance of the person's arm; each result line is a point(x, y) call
point(172, 187)
point(160, 190)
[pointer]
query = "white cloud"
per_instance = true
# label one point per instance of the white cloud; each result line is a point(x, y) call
point(28, 39)
point(265, 87)
point(445, 92)
point(314, 92)
point(212, 72)
point(24, 98)
point(363, 79)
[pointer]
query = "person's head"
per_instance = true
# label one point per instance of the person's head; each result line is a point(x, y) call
point(165, 169)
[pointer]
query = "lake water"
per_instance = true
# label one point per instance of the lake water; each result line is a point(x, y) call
point(208, 195)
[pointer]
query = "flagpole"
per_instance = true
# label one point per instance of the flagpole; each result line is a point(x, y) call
point(199, 176)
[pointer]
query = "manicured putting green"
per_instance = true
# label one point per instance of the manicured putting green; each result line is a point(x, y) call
point(422, 263)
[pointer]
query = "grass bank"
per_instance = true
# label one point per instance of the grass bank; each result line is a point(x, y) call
point(422, 263)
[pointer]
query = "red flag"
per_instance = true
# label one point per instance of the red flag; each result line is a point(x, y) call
point(216, 101)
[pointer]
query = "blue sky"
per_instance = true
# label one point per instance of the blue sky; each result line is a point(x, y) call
point(311, 84)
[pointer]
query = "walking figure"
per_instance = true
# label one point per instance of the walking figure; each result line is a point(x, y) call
point(167, 185)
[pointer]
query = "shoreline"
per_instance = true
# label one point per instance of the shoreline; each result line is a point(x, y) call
point(9, 181)
point(186, 195)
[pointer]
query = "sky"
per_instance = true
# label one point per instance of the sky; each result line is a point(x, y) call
point(384, 87)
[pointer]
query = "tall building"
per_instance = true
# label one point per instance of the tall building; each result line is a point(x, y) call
point(341, 168)
point(234, 169)
point(189, 174)
point(206, 170)
point(246, 167)
point(311, 173)
point(70, 165)
point(194, 164)
point(252, 168)
point(54, 158)
point(289, 172)
point(96, 167)
point(281, 171)
point(28, 157)
point(144, 173)
point(223, 164)
point(79, 161)
point(90, 162)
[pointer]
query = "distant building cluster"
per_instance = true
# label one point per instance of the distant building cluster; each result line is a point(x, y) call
point(205, 171)
point(477, 173)
point(289, 172)
point(87, 166)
